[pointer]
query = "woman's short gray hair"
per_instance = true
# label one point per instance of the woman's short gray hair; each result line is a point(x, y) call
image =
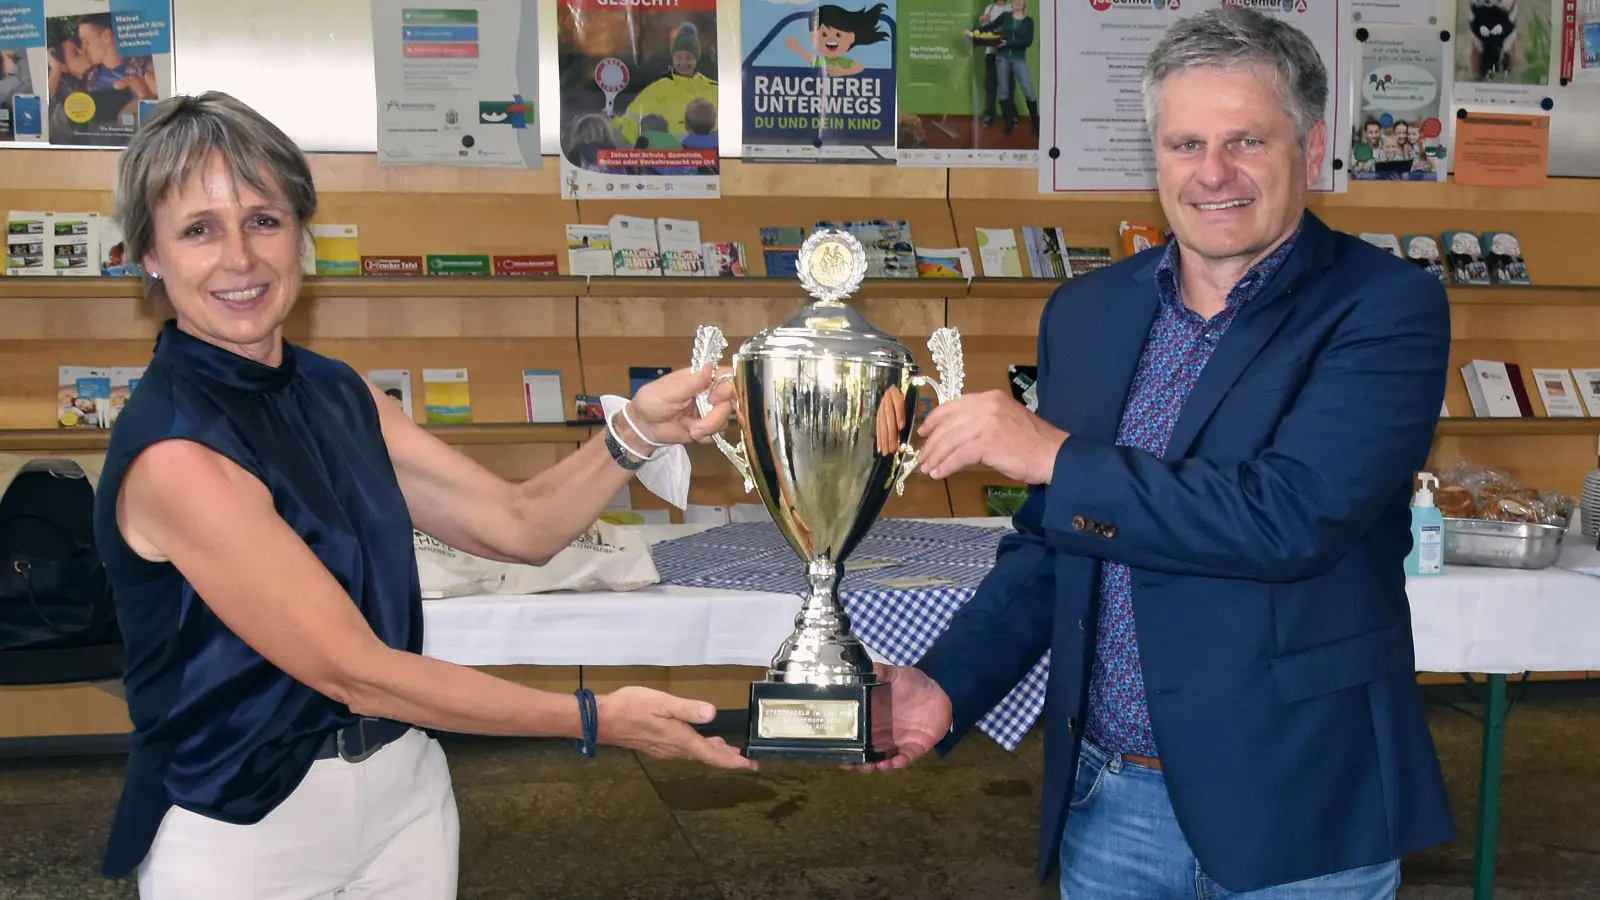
point(175, 141)
point(1233, 37)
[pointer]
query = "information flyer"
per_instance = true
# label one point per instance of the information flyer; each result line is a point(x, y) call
point(968, 82)
point(1404, 84)
point(819, 81)
point(1098, 140)
point(638, 98)
point(457, 82)
point(93, 69)
point(22, 54)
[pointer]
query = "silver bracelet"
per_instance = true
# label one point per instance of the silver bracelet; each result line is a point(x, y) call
point(611, 431)
point(629, 420)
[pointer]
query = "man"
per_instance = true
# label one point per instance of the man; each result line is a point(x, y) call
point(112, 70)
point(1212, 550)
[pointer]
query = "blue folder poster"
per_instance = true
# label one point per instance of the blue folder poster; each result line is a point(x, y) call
point(21, 54)
point(819, 81)
point(110, 63)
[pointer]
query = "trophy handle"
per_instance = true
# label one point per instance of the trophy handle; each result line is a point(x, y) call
point(945, 345)
point(709, 345)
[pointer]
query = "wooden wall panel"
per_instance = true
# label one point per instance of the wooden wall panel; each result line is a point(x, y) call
point(996, 333)
point(419, 224)
point(560, 679)
point(29, 375)
point(61, 710)
point(966, 490)
point(754, 196)
point(494, 366)
point(1532, 334)
point(725, 687)
point(96, 171)
point(518, 462)
point(1542, 462)
point(31, 369)
point(1551, 222)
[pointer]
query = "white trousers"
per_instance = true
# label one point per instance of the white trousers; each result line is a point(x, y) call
point(385, 827)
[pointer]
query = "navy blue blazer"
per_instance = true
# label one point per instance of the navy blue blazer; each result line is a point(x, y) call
point(1267, 552)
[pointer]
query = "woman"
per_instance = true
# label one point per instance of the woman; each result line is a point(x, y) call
point(669, 96)
point(255, 514)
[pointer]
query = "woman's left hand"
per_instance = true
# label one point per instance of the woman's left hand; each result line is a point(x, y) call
point(664, 410)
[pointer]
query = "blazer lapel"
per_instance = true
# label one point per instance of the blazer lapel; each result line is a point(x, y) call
point(1250, 331)
point(1110, 358)
point(1255, 324)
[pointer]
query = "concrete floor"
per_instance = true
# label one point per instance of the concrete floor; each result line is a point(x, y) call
point(539, 821)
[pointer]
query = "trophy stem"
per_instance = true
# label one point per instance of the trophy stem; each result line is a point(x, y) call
point(823, 610)
point(822, 650)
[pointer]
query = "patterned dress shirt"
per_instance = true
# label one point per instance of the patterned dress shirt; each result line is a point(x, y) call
point(1175, 352)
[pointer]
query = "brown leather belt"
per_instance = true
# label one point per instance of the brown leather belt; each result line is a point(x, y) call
point(1149, 762)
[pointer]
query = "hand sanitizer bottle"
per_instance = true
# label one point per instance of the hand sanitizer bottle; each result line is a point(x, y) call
point(1427, 531)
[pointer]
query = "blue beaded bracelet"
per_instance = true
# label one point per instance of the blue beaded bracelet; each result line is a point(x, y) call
point(588, 717)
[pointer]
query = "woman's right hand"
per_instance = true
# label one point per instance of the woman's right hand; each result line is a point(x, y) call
point(657, 723)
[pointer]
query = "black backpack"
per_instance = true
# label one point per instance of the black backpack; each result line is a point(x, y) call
point(55, 596)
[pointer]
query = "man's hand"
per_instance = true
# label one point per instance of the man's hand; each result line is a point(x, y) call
point(921, 713)
point(990, 429)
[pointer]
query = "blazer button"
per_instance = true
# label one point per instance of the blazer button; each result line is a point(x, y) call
point(1109, 531)
point(1081, 626)
point(1077, 523)
point(1072, 724)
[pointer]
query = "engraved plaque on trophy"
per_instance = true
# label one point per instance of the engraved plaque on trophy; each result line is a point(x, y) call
point(825, 406)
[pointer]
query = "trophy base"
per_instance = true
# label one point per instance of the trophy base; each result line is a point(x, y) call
point(832, 723)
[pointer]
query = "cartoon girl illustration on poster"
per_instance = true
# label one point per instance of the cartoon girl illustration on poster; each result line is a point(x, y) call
point(834, 30)
point(819, 81)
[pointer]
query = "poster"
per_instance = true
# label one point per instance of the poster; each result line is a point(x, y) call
point(819, 81)
point(968, 82)
point(106, 65)
point(457, 82)
point(1396, 12)
point(1580, 41)
point(638, 98)
point(1097, 125)
point(1503, 56)
point(22, 54)
point(1402, 106)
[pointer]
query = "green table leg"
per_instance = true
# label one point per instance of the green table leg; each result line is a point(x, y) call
point(1494, 730)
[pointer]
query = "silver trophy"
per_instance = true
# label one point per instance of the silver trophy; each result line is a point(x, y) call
point(825, 406)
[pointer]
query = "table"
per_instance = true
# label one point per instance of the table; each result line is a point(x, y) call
point(1461, 622)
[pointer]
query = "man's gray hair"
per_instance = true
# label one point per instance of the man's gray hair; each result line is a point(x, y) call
point(175, 141)
point(1234, 37)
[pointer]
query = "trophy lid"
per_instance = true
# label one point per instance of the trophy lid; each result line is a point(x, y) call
point(832, 265)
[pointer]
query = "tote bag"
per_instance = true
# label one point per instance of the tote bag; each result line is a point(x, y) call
point(605, 557)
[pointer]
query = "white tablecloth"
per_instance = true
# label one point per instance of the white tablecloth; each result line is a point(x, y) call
point(1466, 620)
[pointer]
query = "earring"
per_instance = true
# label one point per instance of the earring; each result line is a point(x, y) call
point(156, 275)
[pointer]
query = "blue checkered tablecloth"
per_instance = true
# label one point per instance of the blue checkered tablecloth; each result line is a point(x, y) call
point(893, 614)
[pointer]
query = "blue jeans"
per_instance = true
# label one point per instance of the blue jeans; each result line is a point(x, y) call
point(1005, 68)
point(1122, 842)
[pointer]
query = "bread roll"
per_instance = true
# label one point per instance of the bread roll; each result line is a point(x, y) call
point(1455, 501)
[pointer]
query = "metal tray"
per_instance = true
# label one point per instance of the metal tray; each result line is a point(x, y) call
point(1504, 545)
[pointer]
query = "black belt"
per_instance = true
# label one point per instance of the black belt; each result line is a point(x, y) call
point(354, 743)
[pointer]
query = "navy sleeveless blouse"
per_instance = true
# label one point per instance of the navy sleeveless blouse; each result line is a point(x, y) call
point(217, 729)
